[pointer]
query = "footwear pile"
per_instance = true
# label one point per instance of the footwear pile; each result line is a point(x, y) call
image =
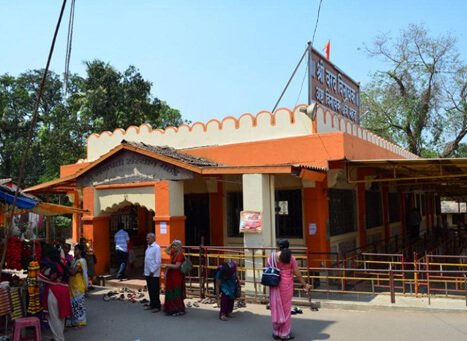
point(125, 294)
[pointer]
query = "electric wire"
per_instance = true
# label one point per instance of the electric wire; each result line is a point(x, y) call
point(34, 117)
point(69, 41)
point(311, 45)
point(308, 49)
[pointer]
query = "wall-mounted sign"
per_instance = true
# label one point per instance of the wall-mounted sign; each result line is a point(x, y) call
point(163, 227)
point(312, 229)
point(333, 88)
point(283, 207)
point(127, 167)
point(250, 222)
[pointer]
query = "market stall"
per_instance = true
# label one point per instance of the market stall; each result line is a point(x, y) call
point(19, 287)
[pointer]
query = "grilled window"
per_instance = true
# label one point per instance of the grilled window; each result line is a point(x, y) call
point(288, 212)
point(341, 211)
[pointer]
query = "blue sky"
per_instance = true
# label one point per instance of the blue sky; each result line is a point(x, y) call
point(212, 59)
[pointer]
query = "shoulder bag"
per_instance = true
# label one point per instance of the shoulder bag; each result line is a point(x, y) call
point(186, 266)
point(271, 274)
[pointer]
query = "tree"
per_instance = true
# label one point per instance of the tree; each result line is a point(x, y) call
point(111, 100)
point(419, 101)
point(103, 100)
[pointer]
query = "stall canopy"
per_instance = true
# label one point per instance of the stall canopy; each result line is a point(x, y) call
point(29, 202)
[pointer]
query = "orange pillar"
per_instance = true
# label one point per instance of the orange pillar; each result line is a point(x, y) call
point(316, 212)
point(361, 214)
point(75, 222)
point(101, 243)
point(216, 201)
point(167, 227)
point(88, 204)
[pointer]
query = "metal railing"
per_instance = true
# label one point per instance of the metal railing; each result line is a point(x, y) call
point(329, 274)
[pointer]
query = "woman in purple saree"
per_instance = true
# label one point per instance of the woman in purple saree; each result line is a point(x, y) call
point(280, 297)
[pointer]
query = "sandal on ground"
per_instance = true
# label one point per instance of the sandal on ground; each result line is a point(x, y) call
point(297, 310)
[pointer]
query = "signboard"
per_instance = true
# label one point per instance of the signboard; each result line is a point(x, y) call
point(332, 88)
point(129, 167)
point(312, 229)
point(250, 222)
point(163, 227)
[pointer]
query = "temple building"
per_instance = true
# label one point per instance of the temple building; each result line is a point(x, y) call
point(308, 174)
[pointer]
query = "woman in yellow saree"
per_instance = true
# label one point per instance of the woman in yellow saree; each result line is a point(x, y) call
point(78, 285)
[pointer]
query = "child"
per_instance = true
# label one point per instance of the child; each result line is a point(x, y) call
point(226, 288)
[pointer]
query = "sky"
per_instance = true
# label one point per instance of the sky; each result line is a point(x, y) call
point(216, 58)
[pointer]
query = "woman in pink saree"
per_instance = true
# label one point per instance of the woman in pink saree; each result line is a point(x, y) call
point(280, 297)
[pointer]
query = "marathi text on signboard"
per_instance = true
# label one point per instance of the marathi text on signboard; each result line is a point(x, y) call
point(129, 167)
point(333, 89)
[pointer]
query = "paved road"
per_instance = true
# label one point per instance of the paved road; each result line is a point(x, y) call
point(125, 321)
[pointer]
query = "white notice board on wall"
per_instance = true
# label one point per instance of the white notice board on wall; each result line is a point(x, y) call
point(163, 227)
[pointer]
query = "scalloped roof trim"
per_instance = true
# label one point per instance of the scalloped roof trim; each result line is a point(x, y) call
point(220, 123)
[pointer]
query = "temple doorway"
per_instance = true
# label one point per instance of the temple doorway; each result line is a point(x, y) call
point(197, 224)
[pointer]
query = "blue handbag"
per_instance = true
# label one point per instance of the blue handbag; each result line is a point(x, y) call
point(271, 274)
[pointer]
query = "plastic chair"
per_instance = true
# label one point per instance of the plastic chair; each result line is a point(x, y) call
point(24, 322)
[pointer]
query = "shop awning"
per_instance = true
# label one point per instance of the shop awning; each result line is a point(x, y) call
point(26, 202)
point(22, 201)
point(48, 209)
point(448, 177)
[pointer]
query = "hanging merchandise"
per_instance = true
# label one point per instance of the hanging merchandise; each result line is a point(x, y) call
point(16, 304)
point(14, 253)
point(5, 306)
point(34, 305)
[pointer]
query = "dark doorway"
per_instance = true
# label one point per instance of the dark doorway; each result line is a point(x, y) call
point(197, 219)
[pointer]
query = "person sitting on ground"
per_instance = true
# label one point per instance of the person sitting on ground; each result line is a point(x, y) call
point(226, 288)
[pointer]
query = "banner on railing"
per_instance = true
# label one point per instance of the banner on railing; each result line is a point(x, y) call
point(250, 222)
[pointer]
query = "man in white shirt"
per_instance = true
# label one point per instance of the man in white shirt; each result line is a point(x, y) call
point(152, 272)
point(121, 250)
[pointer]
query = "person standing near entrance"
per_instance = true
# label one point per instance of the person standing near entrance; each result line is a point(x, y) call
point(152, 272)
point(121, 250)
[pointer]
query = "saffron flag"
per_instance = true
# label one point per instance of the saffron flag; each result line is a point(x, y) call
point(327, 49)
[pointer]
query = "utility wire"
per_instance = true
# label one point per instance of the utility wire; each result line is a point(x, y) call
point(35, 115)
point(316, 23)
point(308, 49)
point(69, 40)
point(311, 45)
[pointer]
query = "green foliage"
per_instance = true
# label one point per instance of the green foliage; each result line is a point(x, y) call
point(105, 99)
point(62, 222)
point(419, 101)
